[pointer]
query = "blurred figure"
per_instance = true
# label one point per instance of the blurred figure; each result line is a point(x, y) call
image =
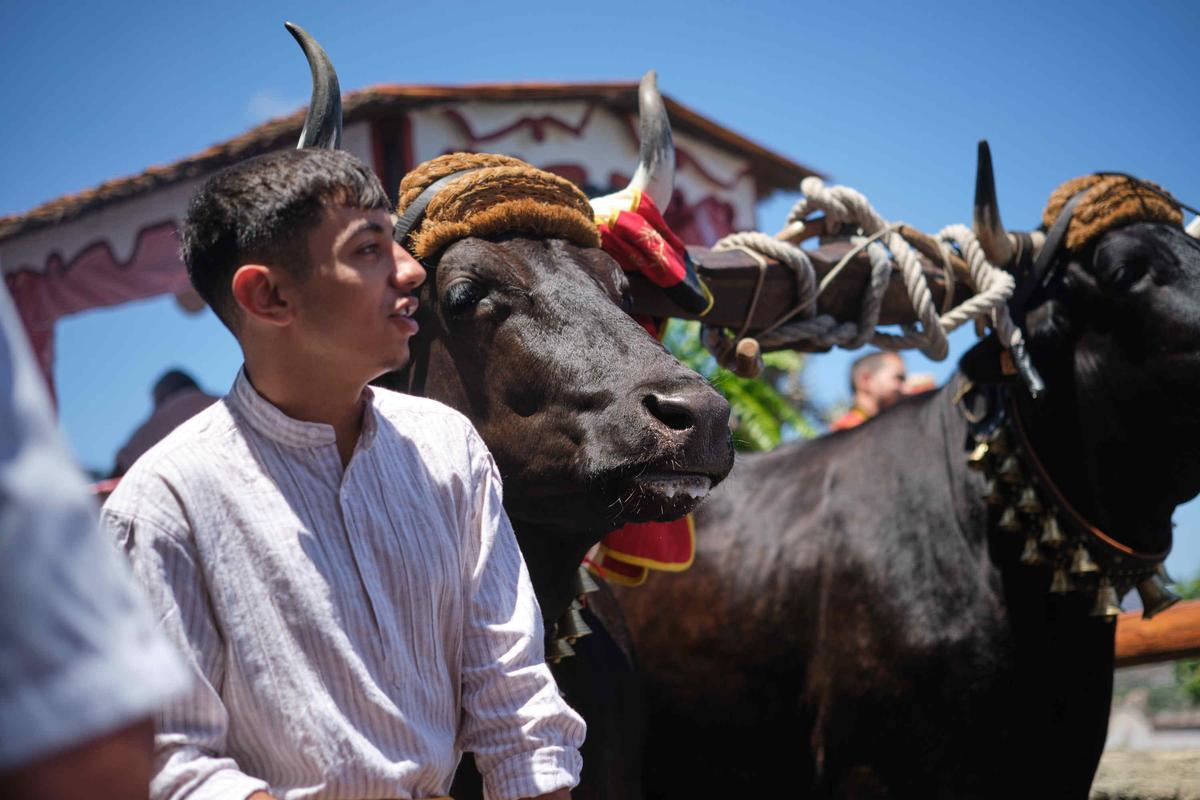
point(919, 383)
point(877, 381)
point(82, 664)
point(177, 398)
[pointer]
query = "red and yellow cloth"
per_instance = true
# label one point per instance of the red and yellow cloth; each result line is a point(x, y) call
point(634, 233)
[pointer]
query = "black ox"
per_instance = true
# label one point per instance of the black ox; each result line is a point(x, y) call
point(592, 422)
point(859, 623)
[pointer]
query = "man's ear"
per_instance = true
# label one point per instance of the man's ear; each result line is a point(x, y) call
point(257, 290)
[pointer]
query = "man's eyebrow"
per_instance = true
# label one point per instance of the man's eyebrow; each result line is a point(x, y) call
point(364, 226)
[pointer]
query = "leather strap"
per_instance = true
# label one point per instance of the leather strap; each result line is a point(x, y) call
point(416, 209)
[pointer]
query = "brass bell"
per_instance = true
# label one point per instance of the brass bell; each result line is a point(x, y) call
point(1162, 573)
point(1156, 596)
point(1028, 502)
point(978, 457)
point(559, 649)
point(573, 627)
point(1061, 582)
point(1052, 535)
point(992, 494)
point(1031, 556)
point(1010, 470)
point(1081, 563)
point(1107, 603)
point(1009, 521)
point(584, 583)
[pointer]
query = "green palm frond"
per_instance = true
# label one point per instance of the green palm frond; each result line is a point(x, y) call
point(763, 416)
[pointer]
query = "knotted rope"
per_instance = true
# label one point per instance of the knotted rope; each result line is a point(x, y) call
point(802, 327)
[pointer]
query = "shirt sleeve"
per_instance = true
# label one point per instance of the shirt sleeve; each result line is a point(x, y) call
point(190, 760)
point(524, 736)
point(80, 656)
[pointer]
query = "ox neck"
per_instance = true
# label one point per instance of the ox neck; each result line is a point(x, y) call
point(1110, 484)
point(553, 558)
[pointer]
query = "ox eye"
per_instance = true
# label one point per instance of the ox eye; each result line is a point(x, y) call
point(627, 303)
point(1126, 275)
point(462, 297)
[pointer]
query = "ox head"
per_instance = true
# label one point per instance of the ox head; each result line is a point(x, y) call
point(1112, 322)
point(592, 422)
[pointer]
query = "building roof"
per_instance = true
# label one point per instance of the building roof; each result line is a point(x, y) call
point(772, 172)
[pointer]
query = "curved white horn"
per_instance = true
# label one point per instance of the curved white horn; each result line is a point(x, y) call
point(1193, 228)
point(996, 242)
point(655, 173)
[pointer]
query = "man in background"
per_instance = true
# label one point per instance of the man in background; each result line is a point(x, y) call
point(877, 382)
point(82, 666)
point(177, 398)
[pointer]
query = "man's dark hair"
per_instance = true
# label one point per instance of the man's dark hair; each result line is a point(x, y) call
point(171, 382)
point(262, 210)
point(868, 365)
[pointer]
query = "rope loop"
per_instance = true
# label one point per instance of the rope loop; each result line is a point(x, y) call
point(801, 327)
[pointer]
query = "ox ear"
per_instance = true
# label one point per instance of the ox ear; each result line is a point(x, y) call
point(323, 124)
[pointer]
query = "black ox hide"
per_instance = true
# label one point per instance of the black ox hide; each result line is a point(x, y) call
point(588, 418)
point(855, 626)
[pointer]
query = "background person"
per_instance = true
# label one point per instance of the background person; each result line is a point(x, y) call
point(334, 559)
point(877, 381)
point(82, 666)
point(177, 398)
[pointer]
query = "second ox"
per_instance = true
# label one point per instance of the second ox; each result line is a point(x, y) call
point(923, 606)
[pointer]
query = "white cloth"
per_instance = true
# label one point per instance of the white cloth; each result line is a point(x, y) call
point(80, 655)
point(351, 633)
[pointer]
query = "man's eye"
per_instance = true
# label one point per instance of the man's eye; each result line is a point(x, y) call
point(369, 249)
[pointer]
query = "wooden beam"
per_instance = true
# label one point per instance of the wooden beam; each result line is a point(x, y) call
point(1172, 634)
point(732, 275)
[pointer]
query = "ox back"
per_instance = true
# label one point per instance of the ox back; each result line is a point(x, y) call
point(851, 627)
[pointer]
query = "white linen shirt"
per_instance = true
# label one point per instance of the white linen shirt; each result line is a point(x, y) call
point(80, 655)
point(351, 632)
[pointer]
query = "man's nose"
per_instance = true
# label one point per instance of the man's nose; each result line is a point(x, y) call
point(409, 274)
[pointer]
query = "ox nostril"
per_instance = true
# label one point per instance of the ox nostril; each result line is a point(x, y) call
point(673, 411)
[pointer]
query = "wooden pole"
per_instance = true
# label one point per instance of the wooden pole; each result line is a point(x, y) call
point(1172, 634)
point(732, 275)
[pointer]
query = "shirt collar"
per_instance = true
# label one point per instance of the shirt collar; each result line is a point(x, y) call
point(265, 418)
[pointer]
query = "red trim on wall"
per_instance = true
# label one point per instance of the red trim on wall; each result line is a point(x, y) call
point(94, 279)
point(537, 126)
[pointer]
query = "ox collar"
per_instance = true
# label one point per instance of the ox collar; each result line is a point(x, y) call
point(1025, 501)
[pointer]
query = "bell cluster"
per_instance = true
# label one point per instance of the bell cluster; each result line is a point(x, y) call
point(571, 626)
point(1025, 511)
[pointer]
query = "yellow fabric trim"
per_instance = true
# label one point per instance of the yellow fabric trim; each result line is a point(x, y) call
point(617, 578)
point(650, 563)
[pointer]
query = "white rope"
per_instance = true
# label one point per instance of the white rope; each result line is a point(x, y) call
point(843, 205)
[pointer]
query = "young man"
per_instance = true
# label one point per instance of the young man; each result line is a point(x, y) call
point(334, 560)
point(877, 381)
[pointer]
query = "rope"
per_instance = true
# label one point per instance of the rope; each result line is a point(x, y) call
point(842, 205)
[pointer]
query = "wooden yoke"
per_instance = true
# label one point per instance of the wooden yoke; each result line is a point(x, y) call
point(732, 275)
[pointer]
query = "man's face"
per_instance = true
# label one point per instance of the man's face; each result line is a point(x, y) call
point(355, 307)
point(886, 384)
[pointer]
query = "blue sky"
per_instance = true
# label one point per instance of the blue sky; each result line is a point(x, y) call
point(889, 98)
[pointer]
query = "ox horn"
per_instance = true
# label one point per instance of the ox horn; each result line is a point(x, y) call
point(1193, 228)
point(655, 173)
point(323, 124)
point(997, 243)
